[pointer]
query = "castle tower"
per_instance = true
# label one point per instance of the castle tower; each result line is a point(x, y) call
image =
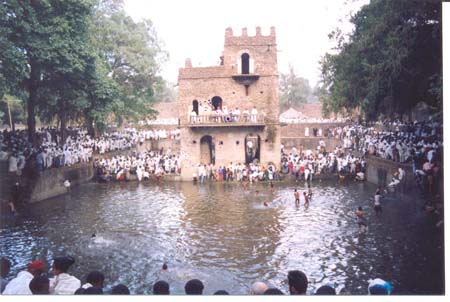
point(246, 79)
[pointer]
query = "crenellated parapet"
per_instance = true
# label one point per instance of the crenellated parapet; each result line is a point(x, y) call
point(244, 39)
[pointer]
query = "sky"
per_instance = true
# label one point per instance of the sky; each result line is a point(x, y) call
point(195, 29)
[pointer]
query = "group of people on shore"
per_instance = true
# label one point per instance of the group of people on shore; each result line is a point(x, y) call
point(251, 172)
point(78, 147)
point(399, 142)
point(35, 280)
point(143, 164)
point(313, 120)
point(306, 165)
point(224, 115)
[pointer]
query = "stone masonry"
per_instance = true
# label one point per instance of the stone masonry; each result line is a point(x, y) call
point(247, 77)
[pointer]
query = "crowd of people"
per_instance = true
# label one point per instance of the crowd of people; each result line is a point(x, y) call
point(419, 144)
point(35, 280)
point(400, 142)
point(251, 172)
point(78, 146)
point(313, 120)
point(305, 165)
point(224, 115)
point(141, 164)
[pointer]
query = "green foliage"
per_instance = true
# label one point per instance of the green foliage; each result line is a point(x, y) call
point(45, 53)
point(389, 63)
point(78, 60)
point(294, 90)
point(133, 54)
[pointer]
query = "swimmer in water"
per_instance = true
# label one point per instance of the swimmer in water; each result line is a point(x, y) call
point(266, 204)
point(306, 204)
point(297, 197)
point(164, 268)
point(361, 220)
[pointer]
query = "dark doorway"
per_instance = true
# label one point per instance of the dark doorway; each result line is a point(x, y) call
point(207, 150)
point(195, 106)
point(252, 148)
point(245, 63)
point(216, 103)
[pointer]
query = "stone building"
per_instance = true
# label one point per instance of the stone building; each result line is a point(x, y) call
point(212, 128)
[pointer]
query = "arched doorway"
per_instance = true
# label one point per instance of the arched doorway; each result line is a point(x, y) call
point(207, 150)
point(245, 63)
point(216, 103)
point(252, 148)
point(195, 106)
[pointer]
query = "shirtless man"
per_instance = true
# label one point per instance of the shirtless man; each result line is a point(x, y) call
point(297, 197)
point(310, 193)
point(361, 220)
point(306, 204)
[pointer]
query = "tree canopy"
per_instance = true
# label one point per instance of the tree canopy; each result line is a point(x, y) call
point(78, 60)
point(294, 90)
point(390, 62)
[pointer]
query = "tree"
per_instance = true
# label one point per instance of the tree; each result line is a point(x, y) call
point(389, 63)
point(133, 54)
point(294, 90)
point(44, 43)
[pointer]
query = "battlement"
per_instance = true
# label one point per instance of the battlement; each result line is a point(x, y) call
point(229, 32)
point(245, 39)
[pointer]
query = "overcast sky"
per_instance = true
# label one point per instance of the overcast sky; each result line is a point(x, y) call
point(195, 28)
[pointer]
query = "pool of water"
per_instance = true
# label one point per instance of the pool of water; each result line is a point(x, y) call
point(222, 234)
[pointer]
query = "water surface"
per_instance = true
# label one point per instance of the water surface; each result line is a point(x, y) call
point(222, 234)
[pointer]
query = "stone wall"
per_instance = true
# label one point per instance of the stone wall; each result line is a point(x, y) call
point(298, 129)
point(380, 172)
point(50, 183)
point(311, 143)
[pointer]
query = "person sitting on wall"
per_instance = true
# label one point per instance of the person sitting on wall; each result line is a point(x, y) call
point(237, 114)
point(245, 115)
point(254, 114)
point(360, 176)
point(193, 116)
point(398, 176)
point(225, 114)
point(218, 115)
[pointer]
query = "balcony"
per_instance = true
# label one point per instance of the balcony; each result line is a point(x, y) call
point(202, 121)
point(245, 79)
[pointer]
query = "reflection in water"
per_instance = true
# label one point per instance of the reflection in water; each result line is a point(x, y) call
point(222, 234)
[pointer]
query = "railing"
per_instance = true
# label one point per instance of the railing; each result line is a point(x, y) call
point(226, 120)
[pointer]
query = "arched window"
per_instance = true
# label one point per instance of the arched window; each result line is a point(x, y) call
point(245, 63)
point(195, 106)
point(216, 103)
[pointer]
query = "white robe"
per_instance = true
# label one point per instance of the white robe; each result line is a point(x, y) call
point(19, 285)
point(64, 284)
